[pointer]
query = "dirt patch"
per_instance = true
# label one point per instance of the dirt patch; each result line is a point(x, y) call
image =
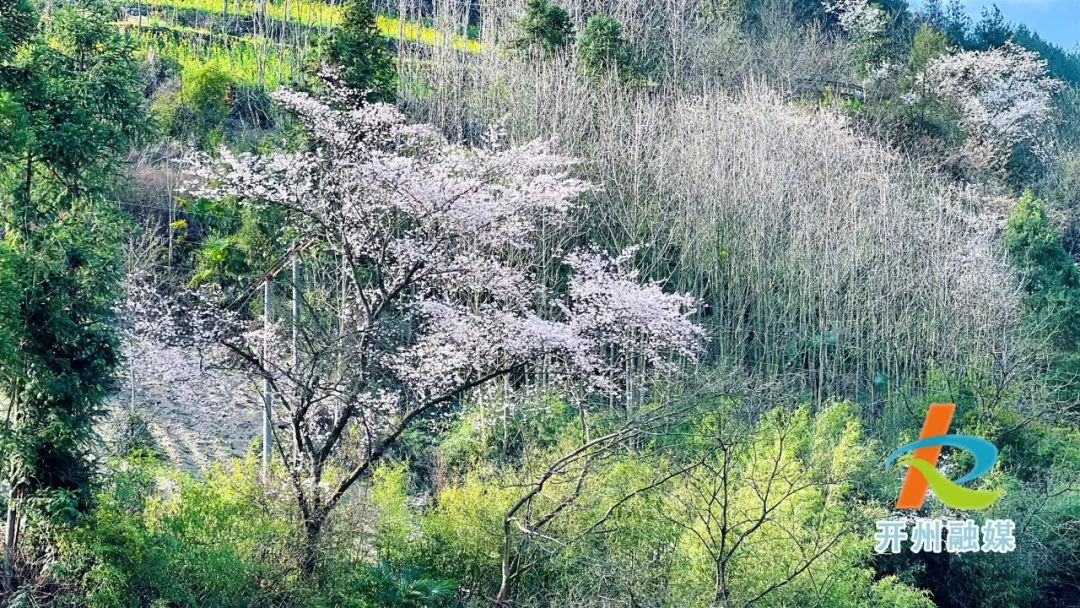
point(199, 412)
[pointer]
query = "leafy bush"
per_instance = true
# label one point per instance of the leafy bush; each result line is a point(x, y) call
point(198, 107)
point(162, 538)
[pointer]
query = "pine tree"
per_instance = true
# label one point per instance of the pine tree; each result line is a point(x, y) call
point(957, 24)
point(545, 25)
point(602, 48)
point(992, 30)
point(360, 52)
point(933, 13)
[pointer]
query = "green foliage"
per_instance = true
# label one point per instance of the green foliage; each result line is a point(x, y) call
point(951, 19)
point(602, 49)
point(546, 25)
point(1048, 271)
point(14, 125)
point(199, 108)
point(81, 90)
point(159, 538)
point(652, 546)
point(79, 103)
point(1062, 64)
point(358, 48)
point(242, 241)
point(802, 11)
point(68, 351)
point(17, 23)
point(1052, 281)
point(928, 44)
point(206, 90)
point(992, 29)
point(1038, 462)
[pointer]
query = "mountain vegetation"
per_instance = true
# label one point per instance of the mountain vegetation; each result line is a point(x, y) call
point(575, 303)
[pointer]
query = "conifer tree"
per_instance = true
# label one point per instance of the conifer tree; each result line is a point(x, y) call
point(359, 51)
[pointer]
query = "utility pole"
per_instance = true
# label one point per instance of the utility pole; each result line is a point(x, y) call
point(296, 331)
point(268, 395)
point(296, 308)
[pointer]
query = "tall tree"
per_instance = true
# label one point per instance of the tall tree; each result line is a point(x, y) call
point(74, 87)
point(933, 13)
point(440, 253)
point(957, 24)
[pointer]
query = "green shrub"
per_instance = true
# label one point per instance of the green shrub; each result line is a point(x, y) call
point(198, 107)
point(206, 90)
point(163, 538)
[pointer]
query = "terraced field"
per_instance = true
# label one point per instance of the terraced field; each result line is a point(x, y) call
point(266, 43)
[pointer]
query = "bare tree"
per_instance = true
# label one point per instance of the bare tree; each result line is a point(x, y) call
point(752, 490)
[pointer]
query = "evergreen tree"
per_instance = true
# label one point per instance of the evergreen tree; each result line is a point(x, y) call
point(16, 24)
point(1052, 281)
point(927, 45)
point(360, 51)
point(74, 86)
point(545, 25)
point(957, 24)
point(602, 48)
point(992, 30)
point(933, 13)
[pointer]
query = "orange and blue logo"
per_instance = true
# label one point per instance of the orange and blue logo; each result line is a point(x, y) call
point(921, 456)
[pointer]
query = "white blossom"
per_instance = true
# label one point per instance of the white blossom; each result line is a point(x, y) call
point(444, 246)
point(857, 17)
point(1004, 95)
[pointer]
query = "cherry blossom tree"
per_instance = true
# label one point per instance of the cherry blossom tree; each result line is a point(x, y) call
point(1004, 96)
point(857, 17)
point(441, 253)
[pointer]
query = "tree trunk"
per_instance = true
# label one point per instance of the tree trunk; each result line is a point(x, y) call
point(309, 556)
point(11, 540)
point(11, 531)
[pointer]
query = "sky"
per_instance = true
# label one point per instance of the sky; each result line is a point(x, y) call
point(1057, 21)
